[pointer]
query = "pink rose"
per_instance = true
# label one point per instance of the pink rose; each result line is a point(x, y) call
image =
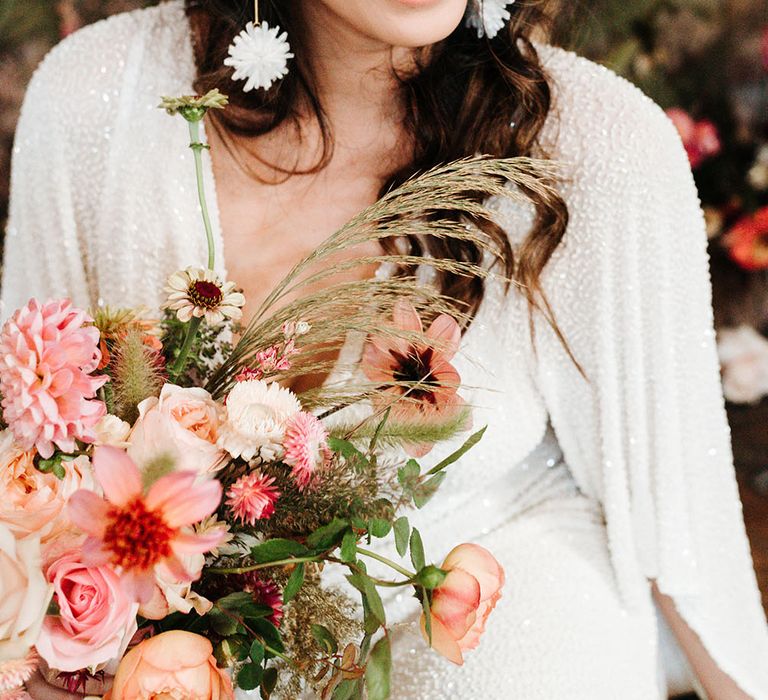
point(33, 502)
point(174, 664)
point(96, 619)
point(700, 138)
point(462, 603)
point(182, 424)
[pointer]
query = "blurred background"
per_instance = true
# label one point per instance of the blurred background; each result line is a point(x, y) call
point(704, 61)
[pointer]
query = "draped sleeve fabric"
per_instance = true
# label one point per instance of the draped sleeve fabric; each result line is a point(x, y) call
point(646, 431)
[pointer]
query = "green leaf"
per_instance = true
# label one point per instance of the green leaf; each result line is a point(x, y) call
point(370, 622)
point(402, 530)
point(325, 639)
point(374, 602)
point(408, 474)
point(347, 450)
point(234, 601)
point(277, 550)
point(423, 493)
point(344, 690)
point(294, 584)
point(254, 611)
point(249, 676)
point(257, 652)
point(417, 550)
point(379, 527)
point(232, 649)
point(221, 623)
point(377, 432)
point(349, 546)
point(427, 615)
point(268, 633)
point(328, 535)
point(268, 682)
point(378, 670)
point(471, 441)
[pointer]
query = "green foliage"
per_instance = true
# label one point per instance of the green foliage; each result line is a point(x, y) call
point(294, 584)
point(378, 670)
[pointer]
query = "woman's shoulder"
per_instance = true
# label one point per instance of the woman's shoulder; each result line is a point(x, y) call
point(601, 124)
point(87, 72)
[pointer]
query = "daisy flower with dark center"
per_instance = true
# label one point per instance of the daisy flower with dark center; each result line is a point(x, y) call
point(196, 293)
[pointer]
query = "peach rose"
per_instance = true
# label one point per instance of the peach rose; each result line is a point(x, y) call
point(171, 595)
point(182, 424)
point(462, 603)
point(96, 619)
point(174, 664)
point(31, 501)
point(24, 594)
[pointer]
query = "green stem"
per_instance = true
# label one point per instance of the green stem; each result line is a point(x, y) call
point(197, 148)
point(388, 562)
point(181, 360)
point(257, 567)
point(377, 581)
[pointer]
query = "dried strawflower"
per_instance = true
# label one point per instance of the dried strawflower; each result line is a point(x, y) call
point(306, 448)
point(252, 497)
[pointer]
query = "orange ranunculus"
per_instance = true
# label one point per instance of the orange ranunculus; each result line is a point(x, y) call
point(462, 603)
point(747, 241)
point(174, 664)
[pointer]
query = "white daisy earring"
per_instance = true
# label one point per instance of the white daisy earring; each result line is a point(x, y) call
point(259, 54)
point(488, 16)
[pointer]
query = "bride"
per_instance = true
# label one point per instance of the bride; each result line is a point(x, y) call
point(605, 484)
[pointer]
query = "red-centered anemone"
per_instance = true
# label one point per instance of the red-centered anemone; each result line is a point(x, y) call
point(133, 531)
point(418, 371)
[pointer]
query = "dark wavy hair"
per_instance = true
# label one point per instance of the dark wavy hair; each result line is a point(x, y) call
point(468, 96)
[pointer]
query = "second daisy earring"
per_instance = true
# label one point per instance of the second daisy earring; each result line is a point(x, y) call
point(259, 54)
point(488, 16)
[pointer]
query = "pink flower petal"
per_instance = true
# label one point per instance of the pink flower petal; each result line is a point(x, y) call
point(88, 512)
point(187, 543)
point(117, 474)
point(406, 317)
point(446, 334)
point(183, 506)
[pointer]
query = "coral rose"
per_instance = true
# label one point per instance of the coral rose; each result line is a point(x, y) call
point(174, 664)
point(24, 594)
point(462, 603)
point(31, 501)
point(183, 424)
point(700, 138)
point(96, 619)
point(747, 241)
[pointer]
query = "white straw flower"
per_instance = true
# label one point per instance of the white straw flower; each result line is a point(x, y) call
point(257, 414)
point(259, 56)
point(488, 16)
point(196, 292)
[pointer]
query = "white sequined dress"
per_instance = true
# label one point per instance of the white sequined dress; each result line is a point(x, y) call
point(584, 490)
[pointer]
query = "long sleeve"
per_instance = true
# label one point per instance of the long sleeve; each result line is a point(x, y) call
point(646, 432)
point(51, 204)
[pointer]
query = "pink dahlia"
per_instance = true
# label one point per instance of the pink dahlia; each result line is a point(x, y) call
point(133, 532)
point(306, 448)
point(47, 354)
point(252, 497)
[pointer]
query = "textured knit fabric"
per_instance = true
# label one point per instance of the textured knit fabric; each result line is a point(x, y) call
point(104, 208)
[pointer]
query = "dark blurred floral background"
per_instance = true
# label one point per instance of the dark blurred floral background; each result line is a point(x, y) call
point(704, 61)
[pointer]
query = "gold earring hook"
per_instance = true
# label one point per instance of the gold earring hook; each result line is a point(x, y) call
point(255, 11)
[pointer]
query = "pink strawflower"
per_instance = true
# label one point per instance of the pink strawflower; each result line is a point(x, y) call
point(15, 672)
point(252, 497)
point(265, 592)
point(133, 532)
point(306, 448)
point(47, 354)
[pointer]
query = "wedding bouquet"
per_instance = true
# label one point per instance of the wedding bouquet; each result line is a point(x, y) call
point(169, 504)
